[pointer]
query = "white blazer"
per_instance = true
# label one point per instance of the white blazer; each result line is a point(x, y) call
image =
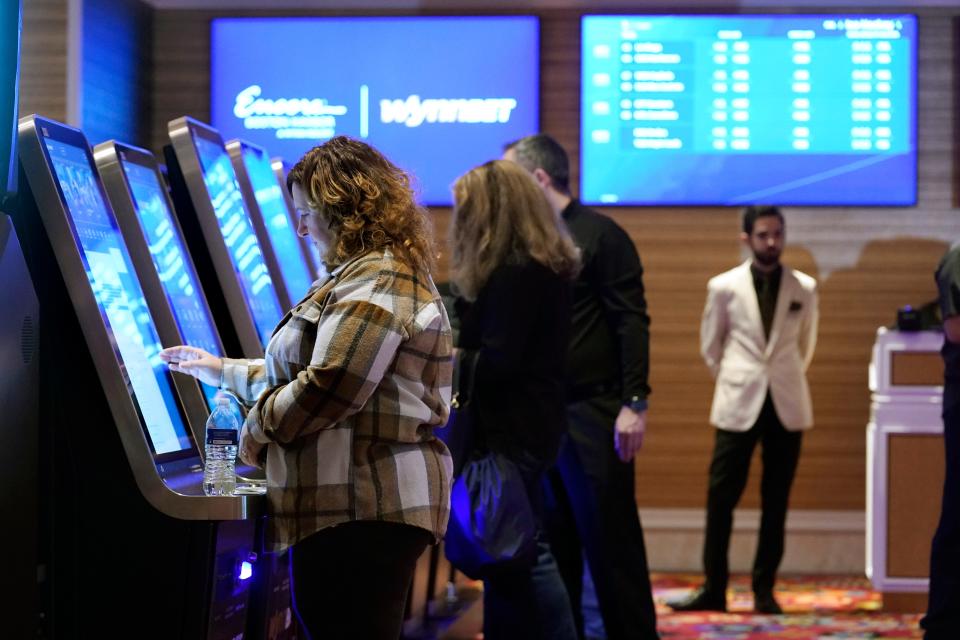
point(744, 363)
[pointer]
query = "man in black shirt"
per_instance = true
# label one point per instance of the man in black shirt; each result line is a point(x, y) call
point(943, 611)
point(591, 500)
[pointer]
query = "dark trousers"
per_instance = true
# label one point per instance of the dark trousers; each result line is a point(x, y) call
point(943, 611)
point(529, 603)
point(351, 581)
point(591, 508)
point(728, 477)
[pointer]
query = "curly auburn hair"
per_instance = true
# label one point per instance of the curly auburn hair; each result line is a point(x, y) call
point(368, 201)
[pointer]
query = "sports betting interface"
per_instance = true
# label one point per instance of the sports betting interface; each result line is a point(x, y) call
point(180, 283)
point(286, 244)
point(725, 110)
point(239, 236)
point(119, 297)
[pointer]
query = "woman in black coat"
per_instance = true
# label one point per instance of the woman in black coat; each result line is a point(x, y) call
point(512, 266)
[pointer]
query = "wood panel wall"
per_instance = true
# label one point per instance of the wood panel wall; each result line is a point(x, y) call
point(868, 261)
point(43, 56)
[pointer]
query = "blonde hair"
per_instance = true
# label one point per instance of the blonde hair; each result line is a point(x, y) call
point(368, 201)
point(501, 216)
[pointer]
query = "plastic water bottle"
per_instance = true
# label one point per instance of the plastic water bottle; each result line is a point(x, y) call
point(223, 433)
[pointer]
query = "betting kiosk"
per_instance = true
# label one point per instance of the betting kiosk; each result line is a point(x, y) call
point(18, 361)
point(264, 198)
point(313, 258)
point(128, 542)
point(155, 241)
point(221, 236)
point(134, 186)
point(227, 254)
point(19, 384)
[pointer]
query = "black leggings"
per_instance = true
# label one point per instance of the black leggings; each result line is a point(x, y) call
point(351, 581)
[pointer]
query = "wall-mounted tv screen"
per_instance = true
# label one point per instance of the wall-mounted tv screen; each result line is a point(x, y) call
point(740, 109)
point(437, 95)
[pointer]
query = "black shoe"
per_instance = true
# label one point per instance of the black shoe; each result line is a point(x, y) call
point(764, 602)
point(701, 600)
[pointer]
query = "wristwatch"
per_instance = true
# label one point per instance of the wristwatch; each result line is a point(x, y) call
point(637, 404)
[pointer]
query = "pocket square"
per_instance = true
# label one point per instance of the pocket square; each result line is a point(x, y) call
point(796, 305)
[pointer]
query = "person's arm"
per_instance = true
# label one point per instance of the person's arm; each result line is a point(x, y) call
point(243, 378)
point(713, 328)
point(619, 280)
point(356, 342)
point(948, 285)
point(619, 274)
point(808, 330)
point(951, 328)
point(247, 379)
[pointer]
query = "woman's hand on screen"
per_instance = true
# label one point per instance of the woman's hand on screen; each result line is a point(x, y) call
point(195, 362)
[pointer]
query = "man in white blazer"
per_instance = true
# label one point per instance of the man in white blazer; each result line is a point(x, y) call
point(757, 336)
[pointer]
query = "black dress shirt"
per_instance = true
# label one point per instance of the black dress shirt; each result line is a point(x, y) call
point(767, 286)
point(609, 347)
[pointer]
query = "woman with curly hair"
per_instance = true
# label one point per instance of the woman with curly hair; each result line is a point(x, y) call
point(513, 264)
point(343, 406)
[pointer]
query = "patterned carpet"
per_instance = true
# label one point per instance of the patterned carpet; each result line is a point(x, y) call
point(815, 608)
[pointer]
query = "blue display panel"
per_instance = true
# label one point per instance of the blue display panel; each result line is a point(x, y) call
point(729, 110)
point(180, 282)
point(276, 218)
point(437, 95)
point(239, 236)
point(119, 298)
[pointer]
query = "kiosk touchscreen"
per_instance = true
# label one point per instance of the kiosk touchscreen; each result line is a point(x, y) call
point(264, 198)
point(280, 170)
point(221, 233)
point(119, 299)
point(121, 468)
point(132, 179)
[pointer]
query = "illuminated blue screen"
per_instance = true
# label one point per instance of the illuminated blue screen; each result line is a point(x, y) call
point(180, 283)
point(436, 95)
point(239, 236)
point(276, 217)
point(728, 110)
point(119, 297)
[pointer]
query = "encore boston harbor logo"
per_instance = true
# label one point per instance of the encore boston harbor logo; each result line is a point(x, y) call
point(317, 118)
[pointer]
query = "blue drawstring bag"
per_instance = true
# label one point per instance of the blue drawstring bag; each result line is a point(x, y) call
point(492, 528)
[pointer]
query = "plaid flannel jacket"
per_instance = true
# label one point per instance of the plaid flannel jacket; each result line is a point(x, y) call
point(354, 380)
